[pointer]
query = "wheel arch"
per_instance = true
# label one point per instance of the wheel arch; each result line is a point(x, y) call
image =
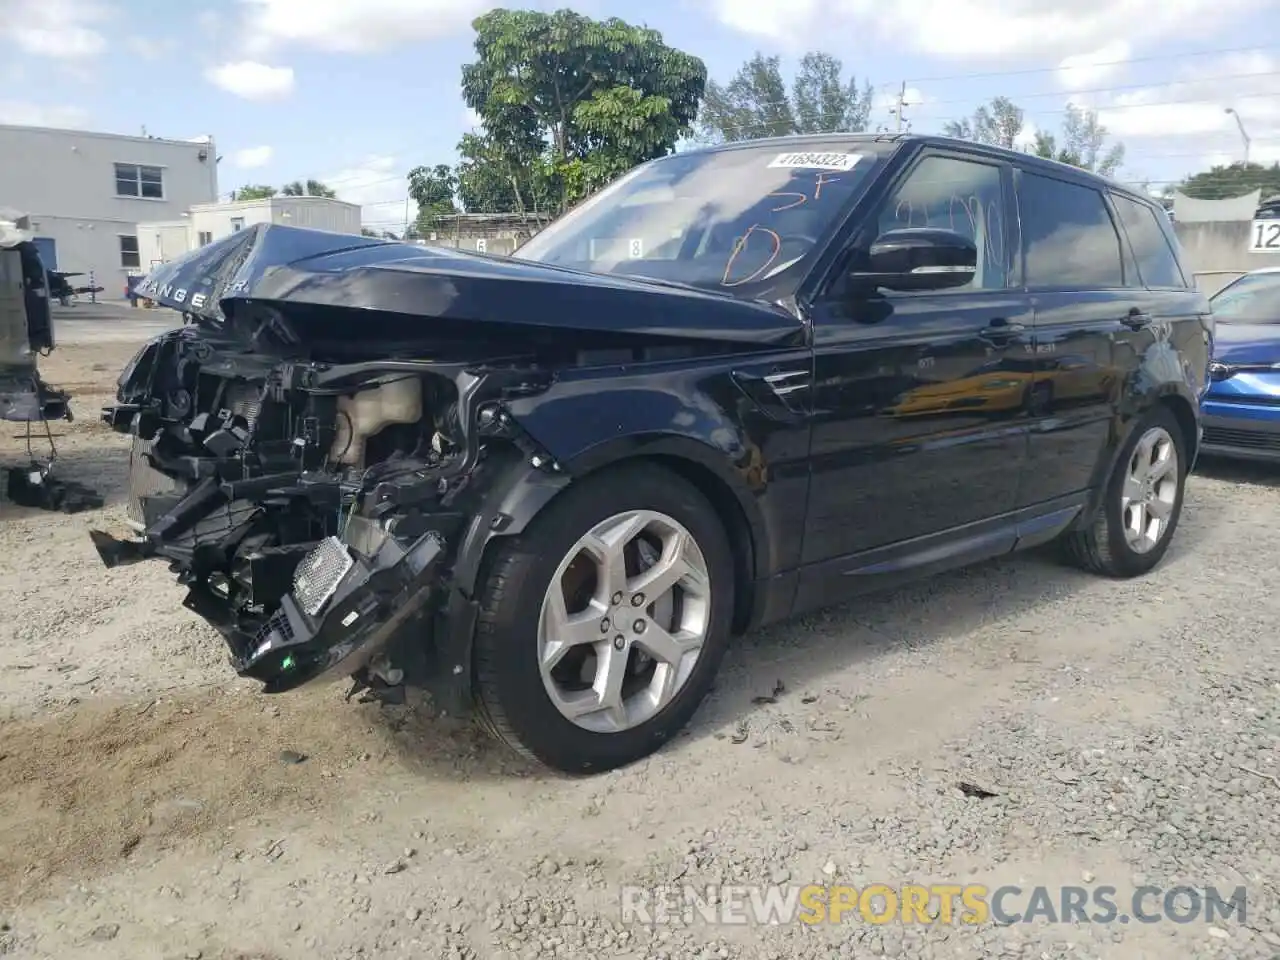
point(1167, 396)
point(526, 491)
point(518, 492)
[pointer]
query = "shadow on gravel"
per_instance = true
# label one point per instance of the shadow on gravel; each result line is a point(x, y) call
point(1239, 471)
point(103, 469)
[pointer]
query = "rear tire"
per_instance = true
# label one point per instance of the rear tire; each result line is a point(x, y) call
point(1141, 503)
point(572, 716)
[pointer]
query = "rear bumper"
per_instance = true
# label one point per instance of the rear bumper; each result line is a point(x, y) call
point(1241, 431)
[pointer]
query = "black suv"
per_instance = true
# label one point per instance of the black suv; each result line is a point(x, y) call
point(733, 386)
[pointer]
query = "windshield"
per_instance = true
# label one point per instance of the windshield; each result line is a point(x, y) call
point(736, 219)
point(1254, 298)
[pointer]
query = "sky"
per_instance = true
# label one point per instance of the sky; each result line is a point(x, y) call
point(357, 92)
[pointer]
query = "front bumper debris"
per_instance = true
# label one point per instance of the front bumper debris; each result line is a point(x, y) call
point(344, 611)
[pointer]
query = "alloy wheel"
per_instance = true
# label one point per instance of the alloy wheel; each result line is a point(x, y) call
point(624, 621)
point(1150, 490)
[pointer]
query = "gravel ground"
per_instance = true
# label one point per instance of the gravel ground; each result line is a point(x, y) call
point(154, 806)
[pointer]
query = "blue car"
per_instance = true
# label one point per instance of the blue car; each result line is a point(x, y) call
point(1242, 406)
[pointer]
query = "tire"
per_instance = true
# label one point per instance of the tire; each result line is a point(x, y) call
point(1103, 547)
point(514, 699)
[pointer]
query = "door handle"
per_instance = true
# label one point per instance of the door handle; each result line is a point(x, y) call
point(1001, 331)
point(1136, 319)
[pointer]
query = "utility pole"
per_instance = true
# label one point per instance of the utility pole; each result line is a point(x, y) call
point(899, 106)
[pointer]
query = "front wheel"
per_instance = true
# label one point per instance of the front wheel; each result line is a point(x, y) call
point(602, 625)
point(1141, 503)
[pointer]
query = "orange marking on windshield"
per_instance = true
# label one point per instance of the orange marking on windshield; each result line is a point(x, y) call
point(741, 245)
point(803, 199)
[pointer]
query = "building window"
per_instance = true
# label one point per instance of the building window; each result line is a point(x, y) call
point(237, 224)
point(129, 256)
point(134, 180)
point(205, 238)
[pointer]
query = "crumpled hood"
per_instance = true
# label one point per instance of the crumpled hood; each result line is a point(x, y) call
point(1246, 343)
point(425, 285)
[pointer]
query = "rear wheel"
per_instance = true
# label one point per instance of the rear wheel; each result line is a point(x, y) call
point(1141, 504)
point(602, 625)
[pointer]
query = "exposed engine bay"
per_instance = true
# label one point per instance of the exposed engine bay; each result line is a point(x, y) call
point(310, 508)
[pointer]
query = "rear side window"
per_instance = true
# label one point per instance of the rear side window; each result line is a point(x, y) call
point(1068, 237)
point(1157, 262)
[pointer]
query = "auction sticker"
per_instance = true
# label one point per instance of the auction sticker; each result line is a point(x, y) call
point(816, 161)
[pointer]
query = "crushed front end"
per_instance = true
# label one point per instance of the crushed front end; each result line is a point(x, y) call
point(313, 509)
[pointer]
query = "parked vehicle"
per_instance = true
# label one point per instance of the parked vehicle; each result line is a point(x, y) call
point(1242, 406)
point(556, 484)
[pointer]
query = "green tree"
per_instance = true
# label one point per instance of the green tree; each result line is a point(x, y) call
point(311, 188)
point(568, 102)
point(1233, 180)
point(998, 124)
point(254, 192)
point(755, 103)
point(1083, 143)
point(433, 190)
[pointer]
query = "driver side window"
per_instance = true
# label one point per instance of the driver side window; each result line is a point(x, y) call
point(960, 195)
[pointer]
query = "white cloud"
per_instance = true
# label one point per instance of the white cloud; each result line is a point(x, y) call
point(251, 80)
point(1195, 106)
point(380, 185)
point(252, 157)
point(32, 115)
point(1085, 70)
point(344, 26)
point(975, 30)
point(61, 29)
point(471, 120)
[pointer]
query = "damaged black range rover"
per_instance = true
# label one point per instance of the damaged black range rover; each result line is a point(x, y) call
point(735, 385)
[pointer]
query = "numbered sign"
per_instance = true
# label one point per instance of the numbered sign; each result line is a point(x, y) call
point(482, 246)
point(1264, 236)
point(635, 249)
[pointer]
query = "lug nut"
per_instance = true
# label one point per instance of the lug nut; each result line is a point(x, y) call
point(617, 598)
point(638, 600)
point(619, 642)
point(638, 626)
point(604, 625)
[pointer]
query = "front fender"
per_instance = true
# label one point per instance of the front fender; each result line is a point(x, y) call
point(689, 415)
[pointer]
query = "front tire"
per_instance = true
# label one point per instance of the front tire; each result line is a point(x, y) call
point(1141, 503)
point(602, 625)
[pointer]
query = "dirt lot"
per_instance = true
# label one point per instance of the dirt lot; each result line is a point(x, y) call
point(151, 805)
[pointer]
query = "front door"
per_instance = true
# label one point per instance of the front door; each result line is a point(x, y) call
point(920, 399)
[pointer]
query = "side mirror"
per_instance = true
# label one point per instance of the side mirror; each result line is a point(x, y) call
point(919, 258)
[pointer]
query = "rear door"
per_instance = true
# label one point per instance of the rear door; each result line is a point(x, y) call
point(1178, 328)
point(1085, 315)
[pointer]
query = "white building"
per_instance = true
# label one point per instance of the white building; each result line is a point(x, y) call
point(86, 193)
point(204, 223)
